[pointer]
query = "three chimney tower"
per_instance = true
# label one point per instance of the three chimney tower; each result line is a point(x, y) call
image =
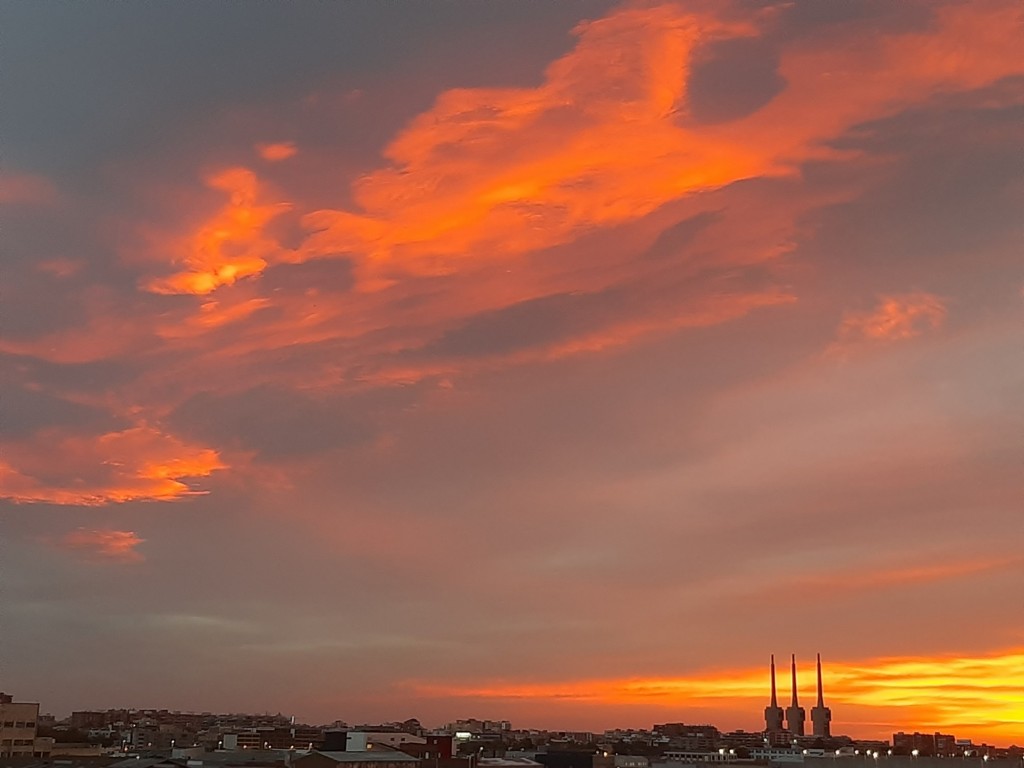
point(821, 716)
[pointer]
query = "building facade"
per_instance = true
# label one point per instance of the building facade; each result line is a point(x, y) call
point(18, 728)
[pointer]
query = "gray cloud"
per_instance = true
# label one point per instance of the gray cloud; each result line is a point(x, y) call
point(945, 195)
point(92, 378)
point(532, 323)
point(24, 411)
point(677, 237)
point(327, 275)
point(90, 100)
point(731, 79)
point(276, 423)
point(809, 17)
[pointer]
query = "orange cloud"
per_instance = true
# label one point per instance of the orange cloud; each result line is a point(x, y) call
point(488, 173)
point(276, 152)
point(486, 201)
point(104, 544)
point(895, 317)
point(974, 696)
point(493, 176)
point(479, 188)
point(135, 464)
point(230, 245)
point(607, 137)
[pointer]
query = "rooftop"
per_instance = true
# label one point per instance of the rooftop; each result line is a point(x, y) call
point(370, 756)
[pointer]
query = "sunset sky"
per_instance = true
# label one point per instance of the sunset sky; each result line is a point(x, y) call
point(554, 362)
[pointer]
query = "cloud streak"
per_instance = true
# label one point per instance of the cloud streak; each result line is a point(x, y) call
point(135, 464)
point(895, 318)
point(103, 545)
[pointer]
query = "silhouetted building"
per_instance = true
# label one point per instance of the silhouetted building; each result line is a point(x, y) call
point(507, 762)
point(945, 745)
point(795, 715)
point(272, 737)
point(567, 758)
point(741, 739)
point(85, 720)
point(335, 740)
point(926, 744)
point(436, 747)
point(773, 712)
point(821, 716)
point(689, 738)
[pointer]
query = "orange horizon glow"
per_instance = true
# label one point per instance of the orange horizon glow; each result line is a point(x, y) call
point(972, 696)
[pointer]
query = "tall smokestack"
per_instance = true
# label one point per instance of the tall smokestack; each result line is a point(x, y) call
point(795, 703)
point(795, 715)
point(821, 716)
point(773, 713)
point(821, 693)
point(775, 700)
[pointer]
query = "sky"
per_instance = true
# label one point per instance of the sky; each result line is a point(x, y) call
point(552, 362)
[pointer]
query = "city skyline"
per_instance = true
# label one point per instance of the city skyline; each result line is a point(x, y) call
point(551, 361)
point(115, 734)
point(908, 683)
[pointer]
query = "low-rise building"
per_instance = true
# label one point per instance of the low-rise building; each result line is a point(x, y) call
point(369, 758)
point(925, 744)
point(18, 728)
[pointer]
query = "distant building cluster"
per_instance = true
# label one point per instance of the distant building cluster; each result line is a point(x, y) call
point(158, 738)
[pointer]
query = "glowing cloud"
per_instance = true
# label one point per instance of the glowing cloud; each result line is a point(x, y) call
point(894, 318)
point(274, 153)
point(230, 245)
point(104, 545)
point(494, 172)
point(608, 138)
point(135, 464)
